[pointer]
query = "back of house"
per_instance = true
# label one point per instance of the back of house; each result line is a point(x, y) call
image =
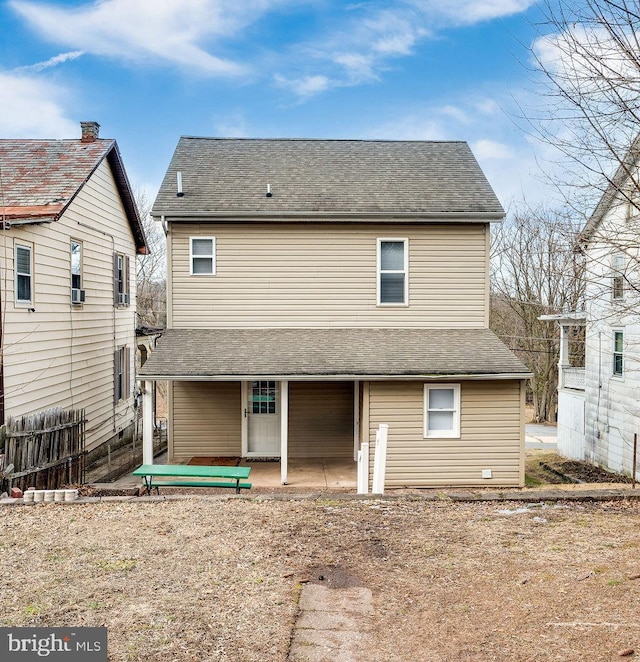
point(318, 288)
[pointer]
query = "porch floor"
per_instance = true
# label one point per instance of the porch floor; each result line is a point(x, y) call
point(315, 473)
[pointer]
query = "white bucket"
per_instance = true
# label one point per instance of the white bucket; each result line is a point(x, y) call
point(70, 495)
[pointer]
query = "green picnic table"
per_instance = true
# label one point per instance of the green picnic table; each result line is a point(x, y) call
point(233, 476)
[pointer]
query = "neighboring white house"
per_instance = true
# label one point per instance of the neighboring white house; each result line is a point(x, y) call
point(70, 233)
point(599, 405)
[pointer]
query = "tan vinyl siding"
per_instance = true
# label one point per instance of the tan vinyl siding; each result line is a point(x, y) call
point(320, 419)
point(324, 274)
point(490, 435)
point(206, 419)
point(62, 355)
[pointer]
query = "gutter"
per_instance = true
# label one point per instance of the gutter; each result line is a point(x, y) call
point(334, 377)
point(479, 217)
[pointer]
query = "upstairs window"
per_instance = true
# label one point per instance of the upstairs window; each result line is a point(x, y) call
point(618, 353)
point(202, 256)
point(393, 286)
point(442, 410)
point(77, 293)
point(121, 264)
point(24, 271)
point(617, 277)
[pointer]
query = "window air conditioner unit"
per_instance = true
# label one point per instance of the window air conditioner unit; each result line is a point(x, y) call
point(123, 298)
point(77, 295)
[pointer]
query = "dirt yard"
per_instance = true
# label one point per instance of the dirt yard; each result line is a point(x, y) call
point(212, 578)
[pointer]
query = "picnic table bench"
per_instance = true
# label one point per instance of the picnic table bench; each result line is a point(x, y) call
point(233, 476)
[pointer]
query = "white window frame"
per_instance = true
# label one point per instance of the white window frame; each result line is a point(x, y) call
point(404, 271)
point(212, 255)
point(617, 276)
point(454, 433)
point(614, 353)
point(29, 275)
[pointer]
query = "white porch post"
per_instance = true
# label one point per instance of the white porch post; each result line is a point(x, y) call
point(284, 430)
point(147, 422)
point(356, 419)
point(563, 360)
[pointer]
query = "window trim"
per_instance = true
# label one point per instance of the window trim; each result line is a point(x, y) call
point(121, 294)
point(78, 285)
point(616, 354)
point(29, 248)
point(404, 271)
point(617, 277)
point(212, 256)
point(121, 375)
point(455, 431)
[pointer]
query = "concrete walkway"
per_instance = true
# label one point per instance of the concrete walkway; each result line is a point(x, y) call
point(333, 624)
point(541, 436)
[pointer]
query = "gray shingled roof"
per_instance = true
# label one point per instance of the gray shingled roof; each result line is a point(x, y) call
point(40, 178)
point(325, 177)
point(290, 353)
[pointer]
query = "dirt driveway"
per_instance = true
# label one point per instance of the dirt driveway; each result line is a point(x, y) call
point(219, 579)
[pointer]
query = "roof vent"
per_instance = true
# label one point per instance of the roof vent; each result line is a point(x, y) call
point(90, 132)
point(180, 192)
point(269, 194)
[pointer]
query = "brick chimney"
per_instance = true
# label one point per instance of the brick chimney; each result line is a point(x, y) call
point(90, 131)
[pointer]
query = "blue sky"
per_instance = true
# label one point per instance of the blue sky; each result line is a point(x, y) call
point(151, 70)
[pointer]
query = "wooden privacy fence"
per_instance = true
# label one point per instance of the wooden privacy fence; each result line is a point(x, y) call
point(46, 449)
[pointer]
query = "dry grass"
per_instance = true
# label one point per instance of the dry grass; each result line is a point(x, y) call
point(218, 579)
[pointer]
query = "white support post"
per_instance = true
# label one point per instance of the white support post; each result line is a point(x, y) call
point(147, 422)
point(284, 431)
point(563, 360)
point(363, 468)
point(356, 418)
point(380, 459)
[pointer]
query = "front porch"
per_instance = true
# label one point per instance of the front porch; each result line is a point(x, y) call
point(332, 473)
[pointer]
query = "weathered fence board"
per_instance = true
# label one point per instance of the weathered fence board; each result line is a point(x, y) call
point(46, 449)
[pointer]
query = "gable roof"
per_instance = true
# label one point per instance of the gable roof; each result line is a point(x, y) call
point(346, 353)
point(40, 178)
point(613, 190)
point(311, 179)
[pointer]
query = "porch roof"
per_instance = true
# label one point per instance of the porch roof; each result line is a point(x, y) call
point(346, 353)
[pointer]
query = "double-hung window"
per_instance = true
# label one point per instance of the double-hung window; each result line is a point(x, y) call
point(202, 256)
point(393, 272)
point(121, 265)
point(77, 293)
point(121, 385)
point(617, 277)
point(442, 410)
point(24, 274)
point(618, 353)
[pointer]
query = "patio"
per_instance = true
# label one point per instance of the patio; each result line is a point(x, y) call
point(314, 473)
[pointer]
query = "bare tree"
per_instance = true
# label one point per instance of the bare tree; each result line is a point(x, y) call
point(535, 271)
point(151, 271)
point(589, 57)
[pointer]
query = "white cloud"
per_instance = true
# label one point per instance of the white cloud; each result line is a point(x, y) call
point(368, 38)
point(232, 125)
point(305, 86)
point(33, 108)
point(486, 149)
point(138, 29)
point(51, 62)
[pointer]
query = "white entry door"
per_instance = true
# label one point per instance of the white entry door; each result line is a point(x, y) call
point(263, 418)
